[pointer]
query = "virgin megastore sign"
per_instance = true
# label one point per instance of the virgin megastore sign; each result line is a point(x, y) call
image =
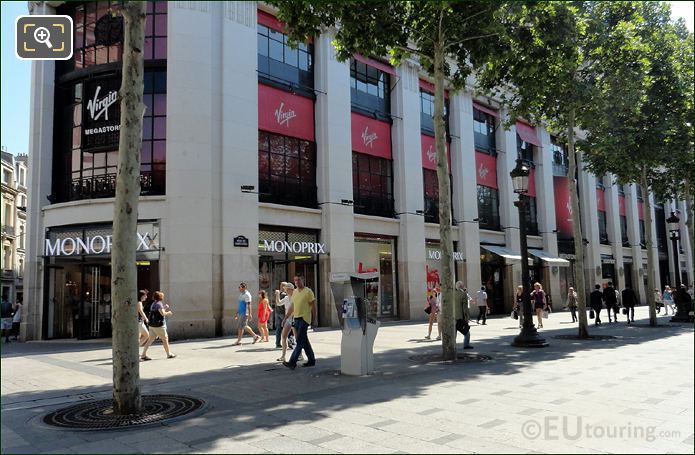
point(101, 113)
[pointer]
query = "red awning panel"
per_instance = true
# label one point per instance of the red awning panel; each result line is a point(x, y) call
point(621, 205)
point(486, 169)
point(487, 110)
point(601, 199)
point(371, 136)
point(563, 208)
point(285, 113)
point(374, 63)
point(429, 87)
point(270, 21)
point(527, 133)
point(429, 153)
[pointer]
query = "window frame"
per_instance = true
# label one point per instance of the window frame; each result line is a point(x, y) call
point(283, 73)
point(485, 205)
point(480, 117)
point(368, 201)
point(427, 102)
point(361, 100)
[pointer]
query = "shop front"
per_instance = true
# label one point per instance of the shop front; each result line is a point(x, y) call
point(77, 300)
point(377, 254)
point(493, 264)
point(433, 264)
point(284, 254)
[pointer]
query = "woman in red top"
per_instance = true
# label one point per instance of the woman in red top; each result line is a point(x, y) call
point(263, 315)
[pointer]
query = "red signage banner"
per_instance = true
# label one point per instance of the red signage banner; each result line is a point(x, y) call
point(270, 21)
point(429, 153)
point(640, 209)
point(621, 206)
point(601, 199)
point(527, 133)
point(429, 87)
point(485, 109)
point(563, 208)
point(371, 136)
point(284, 113)
point(375, 64)
point(532, 183)
point(486, 169)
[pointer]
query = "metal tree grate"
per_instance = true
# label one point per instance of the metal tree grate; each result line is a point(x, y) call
point(431, 358)
point(98, 415)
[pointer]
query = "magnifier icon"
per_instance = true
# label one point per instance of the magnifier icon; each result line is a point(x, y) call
point(43, 36)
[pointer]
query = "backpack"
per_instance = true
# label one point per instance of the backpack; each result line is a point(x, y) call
point(156, 318)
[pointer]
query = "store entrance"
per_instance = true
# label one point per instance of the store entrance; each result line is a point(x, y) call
point(493, 279)
point(272, 272)
point(79, 298)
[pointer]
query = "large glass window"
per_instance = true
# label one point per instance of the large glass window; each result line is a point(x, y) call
point(98, 35)
point(531, 216)
point(638, 190)
point(602, 228)
point(560, 158)
point(278, 62)
point(623, 231)
point(427, 113)
point(431, 190)
point(286, 170)
point(372, 185)
point(488, 208)
point(642, 238)
point(484, 131)
point(369, 90)
point(524, 149)
point(378, 255)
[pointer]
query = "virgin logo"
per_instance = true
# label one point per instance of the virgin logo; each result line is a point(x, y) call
point(97, 106)
point(431, 155)
point(483, 171)
point(283, 118)
point(368, 137)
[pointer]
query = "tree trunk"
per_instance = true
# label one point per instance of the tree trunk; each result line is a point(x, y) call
point(126, 367)
point(580, 285)
point(446, 243)
point(650, 253)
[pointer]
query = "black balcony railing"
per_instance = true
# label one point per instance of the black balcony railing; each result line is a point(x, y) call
point(287, 193)
point(103, 186)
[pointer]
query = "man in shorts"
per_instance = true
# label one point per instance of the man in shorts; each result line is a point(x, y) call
point(243, 314)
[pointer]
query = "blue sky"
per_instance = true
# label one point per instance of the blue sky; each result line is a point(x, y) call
point(16, 76)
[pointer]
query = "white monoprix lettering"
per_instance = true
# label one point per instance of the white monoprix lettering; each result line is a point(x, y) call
point(90, 245)
point(280, 246)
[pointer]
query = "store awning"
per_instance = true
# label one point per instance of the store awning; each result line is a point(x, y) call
point(508, 255)
point(549, 258)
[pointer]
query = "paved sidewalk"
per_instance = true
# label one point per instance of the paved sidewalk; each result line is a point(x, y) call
point(633, 394)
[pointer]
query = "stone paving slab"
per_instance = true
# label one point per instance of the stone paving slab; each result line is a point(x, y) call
point(523, 401)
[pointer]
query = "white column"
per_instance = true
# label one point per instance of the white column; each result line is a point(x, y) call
point(465, 200)
point(545, 197)
point(633, 234)
point(589, 209)
point(40, 177)
point(408, 192)
point(334, 165)
point(613, 227)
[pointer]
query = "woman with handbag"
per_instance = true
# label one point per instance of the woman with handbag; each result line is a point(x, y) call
point(540, 304)
point(572, 303)
point(432, 310)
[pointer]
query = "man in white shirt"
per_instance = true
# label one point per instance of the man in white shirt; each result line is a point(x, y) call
point(481, 299)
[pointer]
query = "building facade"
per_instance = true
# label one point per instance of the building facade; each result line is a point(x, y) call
point(14, 225)
point(260, 162)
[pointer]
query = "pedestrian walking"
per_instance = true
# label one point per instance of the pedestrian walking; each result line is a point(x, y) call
point(540, 303)
point(611, 301)
point(158, 314)
point(264, 311)
point(304, 312)
point(142, 318)
point(572, 303)
point(433, 312)
point(439, 313)
point(6, 322)
point(17, 319)
point(279, 313)
point(243, 315)
point(481, 300)
point(519, 304)
point(668, 300)
point(596, 303)
point(462, 315)
point(658, 301)
point(629, 301)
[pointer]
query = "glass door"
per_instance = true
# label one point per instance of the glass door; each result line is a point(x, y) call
point(95, 314)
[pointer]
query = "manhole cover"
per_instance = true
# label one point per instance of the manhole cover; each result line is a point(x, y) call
point(431, 358)
point(589, 338)
point(98, 415)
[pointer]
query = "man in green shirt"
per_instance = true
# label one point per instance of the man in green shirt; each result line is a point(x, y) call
point(304, 311)
point(461, 314)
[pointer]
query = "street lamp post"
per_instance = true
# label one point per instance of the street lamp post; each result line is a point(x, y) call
point(528, 337)
point(674, 229)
